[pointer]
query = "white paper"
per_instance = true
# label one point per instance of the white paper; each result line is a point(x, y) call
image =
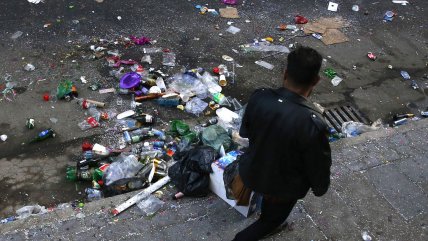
point(332, 6)
point(336, 80)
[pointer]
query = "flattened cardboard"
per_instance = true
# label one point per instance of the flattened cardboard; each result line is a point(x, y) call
point(229, 13)
point(333, 36)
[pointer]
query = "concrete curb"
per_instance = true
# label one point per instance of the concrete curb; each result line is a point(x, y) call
point(106, 204)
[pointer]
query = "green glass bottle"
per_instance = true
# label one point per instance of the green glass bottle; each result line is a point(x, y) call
point(43, 135)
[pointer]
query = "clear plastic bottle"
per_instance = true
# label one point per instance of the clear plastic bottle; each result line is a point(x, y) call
point(161, 84)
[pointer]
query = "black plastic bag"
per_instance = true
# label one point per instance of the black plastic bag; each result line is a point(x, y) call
point(230, 172)
point(191, 171)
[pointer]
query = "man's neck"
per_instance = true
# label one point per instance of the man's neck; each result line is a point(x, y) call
point(305, 92)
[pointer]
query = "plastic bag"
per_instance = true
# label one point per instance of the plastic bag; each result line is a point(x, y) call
point(27, 211)
point(352, 128)
point(129, 167)
point(63, 88)
point(230, 172)
point(216, 136)
point(196, 106)
point(191, 172)
point(150, 205)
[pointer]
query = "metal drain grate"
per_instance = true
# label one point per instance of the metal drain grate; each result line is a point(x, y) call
point(338, 115)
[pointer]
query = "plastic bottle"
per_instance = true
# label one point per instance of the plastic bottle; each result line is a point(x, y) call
point(145, 118)
point(161, 84)
point(43, 135)
point(74, 174)
point(89, 162)
point(88, 123)
point(101, 150)
point(220, 99)
point(168, 102)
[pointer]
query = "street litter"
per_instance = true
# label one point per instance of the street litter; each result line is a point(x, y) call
point(366, 237)
point(229, 12)
point(371, 56)
point(3, 137)
point(405, 75)
point(28, 211)
point(352, 128)
point(327, 30)
point(150, 205)
point(402, 2)
point(389, 16)
point(336, 80)
point(264, 64)
point(17, 34)
point(233, 30)
point(35, 1)
point(332, 6)
point(29, 67)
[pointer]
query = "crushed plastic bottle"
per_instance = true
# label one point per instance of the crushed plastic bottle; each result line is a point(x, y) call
point(168, 59)
point(88, 123)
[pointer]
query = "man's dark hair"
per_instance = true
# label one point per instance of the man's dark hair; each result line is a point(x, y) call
point(303, 65)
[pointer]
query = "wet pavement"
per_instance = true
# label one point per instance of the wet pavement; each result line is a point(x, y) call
point(35, 173)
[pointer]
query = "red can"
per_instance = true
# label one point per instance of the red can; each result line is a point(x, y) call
point(46, 97)
point(86, 146)
point(300, 19)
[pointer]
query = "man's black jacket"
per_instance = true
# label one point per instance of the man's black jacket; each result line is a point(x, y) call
point(289, 150)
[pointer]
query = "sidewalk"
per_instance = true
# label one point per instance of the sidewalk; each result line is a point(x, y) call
point(379, 185)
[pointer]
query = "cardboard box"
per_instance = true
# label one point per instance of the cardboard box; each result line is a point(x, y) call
point(217, 187)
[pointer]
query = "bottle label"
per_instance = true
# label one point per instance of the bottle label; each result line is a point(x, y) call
point(43, 133)
point(92, 122)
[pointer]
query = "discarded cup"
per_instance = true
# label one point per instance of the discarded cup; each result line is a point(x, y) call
point(355, 8)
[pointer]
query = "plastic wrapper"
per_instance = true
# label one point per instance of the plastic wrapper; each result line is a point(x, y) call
point(27, 211)
point(168, 59)
point(150, 205)
point(196, 106)
point(230, 2)
point(129, 167)
point(191, 172)
point(233, 30)
point(216, 136)
point(140, 41)
point(264, 47)
point(186, 84)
